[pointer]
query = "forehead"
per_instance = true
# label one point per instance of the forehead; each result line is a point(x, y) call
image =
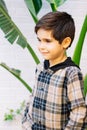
point(42, 33)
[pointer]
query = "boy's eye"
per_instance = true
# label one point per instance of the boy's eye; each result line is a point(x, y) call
point(38, 39)
point(44, 40)
point(47, 40)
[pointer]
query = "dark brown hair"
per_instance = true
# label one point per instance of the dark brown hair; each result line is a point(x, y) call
point(61, 24)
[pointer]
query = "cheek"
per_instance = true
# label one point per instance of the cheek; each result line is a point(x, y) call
point(56, 50)
point(53, 48)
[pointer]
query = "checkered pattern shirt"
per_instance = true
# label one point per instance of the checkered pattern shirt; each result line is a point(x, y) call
point(57, 101)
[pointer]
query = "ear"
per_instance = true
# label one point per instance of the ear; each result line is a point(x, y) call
point(66, 42)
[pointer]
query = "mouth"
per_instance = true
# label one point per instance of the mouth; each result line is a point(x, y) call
point(44, 52)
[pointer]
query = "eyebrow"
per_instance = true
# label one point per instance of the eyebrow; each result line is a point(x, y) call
point(44, 39)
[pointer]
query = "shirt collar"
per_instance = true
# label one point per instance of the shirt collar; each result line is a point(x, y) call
point(68, 62)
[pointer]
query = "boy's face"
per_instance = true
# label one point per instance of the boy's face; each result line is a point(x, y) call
point(50, 47)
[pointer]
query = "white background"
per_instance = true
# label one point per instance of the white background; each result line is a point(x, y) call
point(12, 92)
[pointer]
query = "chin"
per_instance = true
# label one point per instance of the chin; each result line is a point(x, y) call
point(46, 58)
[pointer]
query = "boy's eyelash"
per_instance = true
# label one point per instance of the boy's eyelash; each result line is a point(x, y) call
point(48, 40)
point(38, 39)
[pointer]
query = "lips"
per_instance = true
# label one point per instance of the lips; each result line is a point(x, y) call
point(44, 52)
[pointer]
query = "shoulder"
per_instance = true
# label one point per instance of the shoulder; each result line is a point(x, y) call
point(74, 73)
point(73, 70)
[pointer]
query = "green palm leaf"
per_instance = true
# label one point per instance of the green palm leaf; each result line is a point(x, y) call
point(85, 85)
point(2, 4)
point(16, 73)
point(34, 7)
point(77, 52)
point(12, 33)
point(55, 4)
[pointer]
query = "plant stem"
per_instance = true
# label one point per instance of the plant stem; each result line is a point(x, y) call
point(18, 77)
point(77, 53)
point(53, 7)
point(36, 59)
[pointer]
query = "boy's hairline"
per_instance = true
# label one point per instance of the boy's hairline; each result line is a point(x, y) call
point(51, 29)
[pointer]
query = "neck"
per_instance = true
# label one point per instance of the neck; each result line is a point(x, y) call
point(59, 60)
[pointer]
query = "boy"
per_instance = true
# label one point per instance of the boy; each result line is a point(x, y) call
point(57, 101)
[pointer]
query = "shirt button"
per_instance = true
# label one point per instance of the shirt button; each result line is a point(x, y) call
point(39, 122)
point(42, 89)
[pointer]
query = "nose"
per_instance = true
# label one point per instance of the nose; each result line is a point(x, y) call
point(41, 45)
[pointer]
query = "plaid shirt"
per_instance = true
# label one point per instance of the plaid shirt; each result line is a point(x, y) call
point(57, 101)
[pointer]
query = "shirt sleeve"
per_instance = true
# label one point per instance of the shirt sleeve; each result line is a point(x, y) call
point(26, 118)
point(78, 108)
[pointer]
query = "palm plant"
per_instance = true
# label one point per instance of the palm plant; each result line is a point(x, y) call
point(13, 34)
